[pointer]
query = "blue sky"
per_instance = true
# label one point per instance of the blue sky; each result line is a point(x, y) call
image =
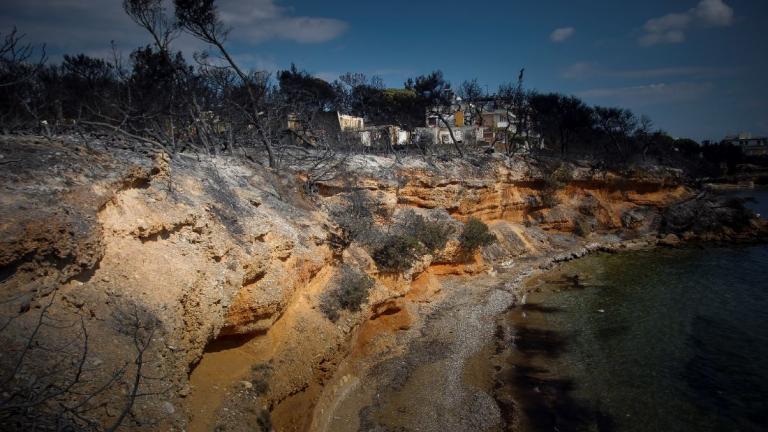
point(698, 68)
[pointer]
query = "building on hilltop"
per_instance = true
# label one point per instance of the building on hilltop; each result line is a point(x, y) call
point(330, 127)
point(485, 121)
point(750, 146)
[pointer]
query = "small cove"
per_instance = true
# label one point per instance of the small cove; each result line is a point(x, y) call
point(668, 339)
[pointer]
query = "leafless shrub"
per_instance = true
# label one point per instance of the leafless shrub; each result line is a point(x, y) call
point(357, 217)
point(20, 63)
point(51, 381)
point(553, 182)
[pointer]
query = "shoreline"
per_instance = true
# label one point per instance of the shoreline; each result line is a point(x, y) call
point(522, 385)
point(250, 254)
point(438, 350)
point(521, 381)
point(401, 383)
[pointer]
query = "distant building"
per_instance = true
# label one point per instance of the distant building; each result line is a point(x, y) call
point(375, 137)
point(497, 119)
point(483, 121)
point(324, 126)
point(334, 122)
point(442, 135)
point(455, 119)
point(751, 146)
point(350, 123)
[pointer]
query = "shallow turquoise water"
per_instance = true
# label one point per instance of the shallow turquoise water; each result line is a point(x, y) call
point(664, 340)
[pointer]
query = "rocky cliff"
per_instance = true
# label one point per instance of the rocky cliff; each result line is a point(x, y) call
point(145, 262)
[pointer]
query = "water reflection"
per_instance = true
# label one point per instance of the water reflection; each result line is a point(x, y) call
point(671, 340)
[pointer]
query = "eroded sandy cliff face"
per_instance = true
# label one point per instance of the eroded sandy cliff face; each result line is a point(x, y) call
point(204, 249)
point(219, 253)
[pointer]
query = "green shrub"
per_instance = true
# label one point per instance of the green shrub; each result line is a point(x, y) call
point(397, 254)
point(412, 237)
point(475, 235)
point(350, 290)
point(431, 233)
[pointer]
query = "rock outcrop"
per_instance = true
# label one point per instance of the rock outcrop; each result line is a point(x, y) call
point(214, 248)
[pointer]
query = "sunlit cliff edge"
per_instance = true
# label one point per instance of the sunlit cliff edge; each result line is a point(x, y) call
point(157, 259)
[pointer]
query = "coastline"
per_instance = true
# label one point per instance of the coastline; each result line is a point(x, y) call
point(399, 389)
point(422, 336)
point(525, 389)
point(447, 352)
point(527, 385)
point(516, 334)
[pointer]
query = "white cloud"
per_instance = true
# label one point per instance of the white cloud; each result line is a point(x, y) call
point(89, 25)
point(256, 21)
point(714, 13)
point(650, 94)
point(562, 34)
point(672, 28)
